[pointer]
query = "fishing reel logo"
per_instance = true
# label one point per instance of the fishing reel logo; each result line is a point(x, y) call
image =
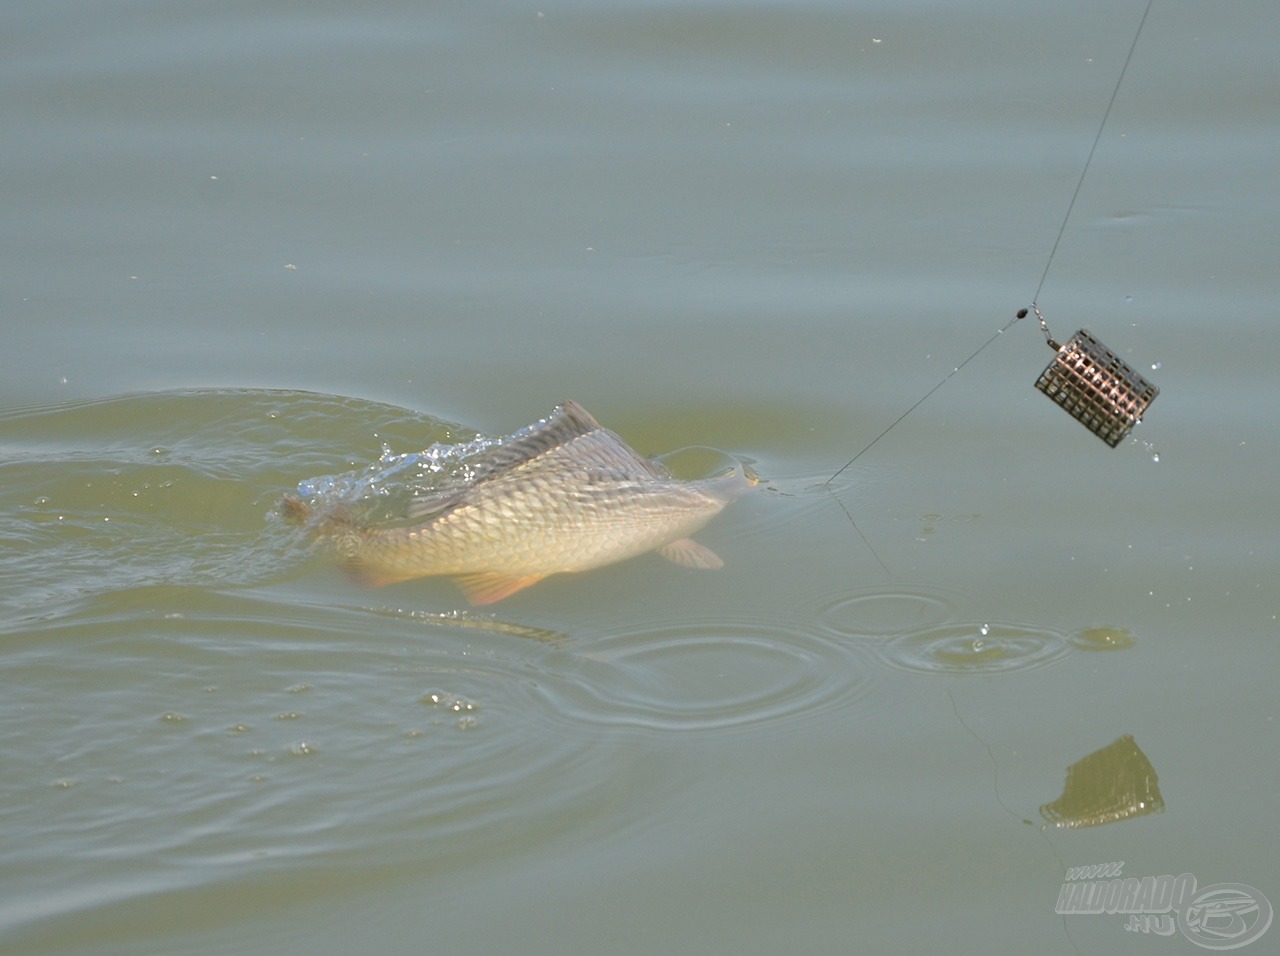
point(1218, 917)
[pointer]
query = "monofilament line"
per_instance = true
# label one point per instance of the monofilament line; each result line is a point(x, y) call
point(1093, 149)
point(921, 401)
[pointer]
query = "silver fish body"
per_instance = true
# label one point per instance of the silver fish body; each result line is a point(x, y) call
point(562, 495)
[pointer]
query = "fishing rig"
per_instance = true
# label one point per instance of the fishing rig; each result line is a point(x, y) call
point(1085, 378)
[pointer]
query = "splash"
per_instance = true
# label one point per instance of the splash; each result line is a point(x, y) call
point(383, 489)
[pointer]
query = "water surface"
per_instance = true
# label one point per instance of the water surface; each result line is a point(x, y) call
point(249, 245)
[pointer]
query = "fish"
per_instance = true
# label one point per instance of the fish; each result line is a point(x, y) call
point(563, 495)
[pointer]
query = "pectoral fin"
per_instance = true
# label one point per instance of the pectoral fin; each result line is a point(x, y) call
point(489, 587)
point(688, 553)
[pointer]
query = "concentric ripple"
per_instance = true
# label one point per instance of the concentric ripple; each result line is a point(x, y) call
point(880, 613)
point(974, 648)
point(715, 675)
point(917, 628)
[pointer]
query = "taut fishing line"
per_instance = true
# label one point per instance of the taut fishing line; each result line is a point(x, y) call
point(1085, 378)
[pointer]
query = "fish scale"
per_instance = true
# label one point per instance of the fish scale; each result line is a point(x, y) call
point(561, 495)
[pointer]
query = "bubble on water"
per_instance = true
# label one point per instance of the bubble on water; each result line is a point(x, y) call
point(446, 701)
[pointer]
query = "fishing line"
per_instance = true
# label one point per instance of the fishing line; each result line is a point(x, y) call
point(1087, 380)
point(995, 785)
point(1093, 149)
point(923, 398)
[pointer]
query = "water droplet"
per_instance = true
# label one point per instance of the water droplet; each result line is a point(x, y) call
point(1155, 366)
point(984, 630)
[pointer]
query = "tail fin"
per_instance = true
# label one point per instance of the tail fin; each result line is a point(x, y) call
point(343, 537)
point(295, 510)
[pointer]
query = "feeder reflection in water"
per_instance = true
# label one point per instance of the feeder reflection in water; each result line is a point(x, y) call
point(1111, 784)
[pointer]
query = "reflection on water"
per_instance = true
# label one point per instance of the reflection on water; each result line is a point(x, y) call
point(489, 623)
point(1111, 784)
point(1103, 639)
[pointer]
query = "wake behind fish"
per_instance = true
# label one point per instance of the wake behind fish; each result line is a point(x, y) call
point(170, 488)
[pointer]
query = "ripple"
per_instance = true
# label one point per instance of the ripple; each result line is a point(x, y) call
point(170, 488)
point(880, 613)
point(704, 675)
point(329, 722)
point(975, 648)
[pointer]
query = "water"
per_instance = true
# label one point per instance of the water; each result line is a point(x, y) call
point(247, 246)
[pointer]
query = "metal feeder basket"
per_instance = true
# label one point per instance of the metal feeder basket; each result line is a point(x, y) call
point(1095, 386)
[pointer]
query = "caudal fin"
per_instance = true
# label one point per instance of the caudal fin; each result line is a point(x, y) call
point(295, 510)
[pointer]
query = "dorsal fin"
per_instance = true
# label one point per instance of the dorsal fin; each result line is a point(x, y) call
point(567, 421)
